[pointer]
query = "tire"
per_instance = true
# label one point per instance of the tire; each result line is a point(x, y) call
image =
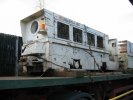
point(71, 96)
point(82, 99)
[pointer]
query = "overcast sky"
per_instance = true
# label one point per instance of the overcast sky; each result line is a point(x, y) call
point(113, 17)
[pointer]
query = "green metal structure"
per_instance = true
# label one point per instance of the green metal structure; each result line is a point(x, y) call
point(30, 82)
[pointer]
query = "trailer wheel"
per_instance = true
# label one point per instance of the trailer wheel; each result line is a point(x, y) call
point(71, 96)
point(83, 99)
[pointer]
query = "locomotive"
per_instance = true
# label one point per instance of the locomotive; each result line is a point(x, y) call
point(51, 41)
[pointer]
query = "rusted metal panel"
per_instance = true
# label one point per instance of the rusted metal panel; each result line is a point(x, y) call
point(126, 53)
point(123, 48)
point(126, 47)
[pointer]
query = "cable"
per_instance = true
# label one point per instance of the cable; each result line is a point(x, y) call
point(90, 53)
point(68, 69)
point(95, 62)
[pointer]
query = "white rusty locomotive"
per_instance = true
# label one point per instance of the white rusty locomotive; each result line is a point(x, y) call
point(51, 41)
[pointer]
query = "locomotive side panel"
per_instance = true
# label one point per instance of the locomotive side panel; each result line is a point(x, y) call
point(79, 58)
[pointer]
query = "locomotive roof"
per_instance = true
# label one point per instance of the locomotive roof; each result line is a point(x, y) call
point(42, 11)
point(33, 16)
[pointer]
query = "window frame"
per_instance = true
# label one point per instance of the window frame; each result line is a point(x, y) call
point(99, 40)
point(77, 38)
point(68, 34)
point(92, 41)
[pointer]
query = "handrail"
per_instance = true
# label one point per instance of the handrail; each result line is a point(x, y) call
point(122, 95)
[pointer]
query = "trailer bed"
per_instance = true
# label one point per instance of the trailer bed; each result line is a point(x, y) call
point(30, 82)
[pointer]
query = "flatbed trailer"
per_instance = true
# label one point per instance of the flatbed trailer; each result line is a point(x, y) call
point(30, 82)
point(97, 87)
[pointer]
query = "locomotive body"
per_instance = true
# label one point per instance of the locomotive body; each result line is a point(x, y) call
point(125, 54)
point(52, 41)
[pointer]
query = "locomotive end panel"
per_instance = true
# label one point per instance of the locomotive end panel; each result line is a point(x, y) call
point(36, 29)
point(113, 48)
point(37, 26)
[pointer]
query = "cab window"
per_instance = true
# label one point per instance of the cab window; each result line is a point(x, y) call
point(99, 41)
point(77, 35)
point(62, 30)
point(91, 39)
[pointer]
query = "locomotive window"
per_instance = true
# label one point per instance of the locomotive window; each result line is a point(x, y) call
point(99, 41)
point(91, 39)
point(113, 44)
point(34, 27)
point(77, 35)
point(63, 30)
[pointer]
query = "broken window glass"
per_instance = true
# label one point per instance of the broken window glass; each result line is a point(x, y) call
point(91, 39)
point(63, 30)
point(77, 35)
point(99, 41)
